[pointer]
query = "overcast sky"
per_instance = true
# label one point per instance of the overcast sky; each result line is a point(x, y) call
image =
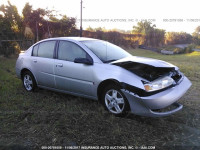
point(171, 15)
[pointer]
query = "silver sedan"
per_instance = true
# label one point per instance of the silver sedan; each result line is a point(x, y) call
point(102, 71)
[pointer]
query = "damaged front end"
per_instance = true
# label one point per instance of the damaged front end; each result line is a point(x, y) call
point(163, 86)
point(149, 72)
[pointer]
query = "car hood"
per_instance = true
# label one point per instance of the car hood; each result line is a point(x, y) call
point(147, 68)
point(143, 60)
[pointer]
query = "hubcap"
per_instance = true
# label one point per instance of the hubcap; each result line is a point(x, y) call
point(114, 101)
point(28, 83)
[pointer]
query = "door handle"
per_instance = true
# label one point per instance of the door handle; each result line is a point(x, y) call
point(59, 65)
point(34, 61)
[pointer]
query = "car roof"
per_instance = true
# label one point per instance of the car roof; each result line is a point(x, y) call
point(71, 38)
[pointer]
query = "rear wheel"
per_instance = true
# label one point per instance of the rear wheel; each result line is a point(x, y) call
point(29, 81)
point(115, 101)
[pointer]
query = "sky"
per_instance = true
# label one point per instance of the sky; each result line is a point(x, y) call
point(171, 15)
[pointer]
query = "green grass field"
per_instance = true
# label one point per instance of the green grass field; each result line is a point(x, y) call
point(46, 118)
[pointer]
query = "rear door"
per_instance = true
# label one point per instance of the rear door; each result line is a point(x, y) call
point(43, 63)
point(70, 76)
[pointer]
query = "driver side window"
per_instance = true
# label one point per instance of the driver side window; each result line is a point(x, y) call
point(69, 51)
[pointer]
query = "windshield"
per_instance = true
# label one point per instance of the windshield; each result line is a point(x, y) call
point(106, 51)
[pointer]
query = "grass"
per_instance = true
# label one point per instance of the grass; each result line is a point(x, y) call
point(46, 118)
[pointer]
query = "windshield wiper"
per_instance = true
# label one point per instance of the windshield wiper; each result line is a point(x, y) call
point(107, 61)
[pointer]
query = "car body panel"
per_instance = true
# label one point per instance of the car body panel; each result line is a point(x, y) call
point(167, 97)
point(145, 105)
point(104, 72)
point(69, 78)
point(43, 69)
point(148, 61)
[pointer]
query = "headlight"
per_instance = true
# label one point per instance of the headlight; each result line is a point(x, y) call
point(158, 84)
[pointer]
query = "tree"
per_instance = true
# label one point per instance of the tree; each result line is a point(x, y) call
point(177, 38)
point(39, 23)
point(11, 28)
point(43, 23)
point(196, 36)
point(12, 20)
point(27, 10)
point(62, 27)
point(152, 36)
point(90, 29)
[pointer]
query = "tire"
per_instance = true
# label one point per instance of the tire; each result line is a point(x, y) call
point(29, 82)
point(114, 100)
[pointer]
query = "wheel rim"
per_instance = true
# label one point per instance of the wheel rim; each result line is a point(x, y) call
point(28, 83)
point(114, 101)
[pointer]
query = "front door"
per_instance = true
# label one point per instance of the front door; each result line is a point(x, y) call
point(69, 76)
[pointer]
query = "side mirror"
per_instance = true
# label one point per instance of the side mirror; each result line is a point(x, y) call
point(84, 61)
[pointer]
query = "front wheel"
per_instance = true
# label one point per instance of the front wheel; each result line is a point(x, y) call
point(115, 101)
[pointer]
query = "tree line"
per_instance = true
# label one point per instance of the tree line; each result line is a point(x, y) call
point(40, 23)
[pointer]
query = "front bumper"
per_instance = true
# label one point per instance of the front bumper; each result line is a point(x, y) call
point(145, 106)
